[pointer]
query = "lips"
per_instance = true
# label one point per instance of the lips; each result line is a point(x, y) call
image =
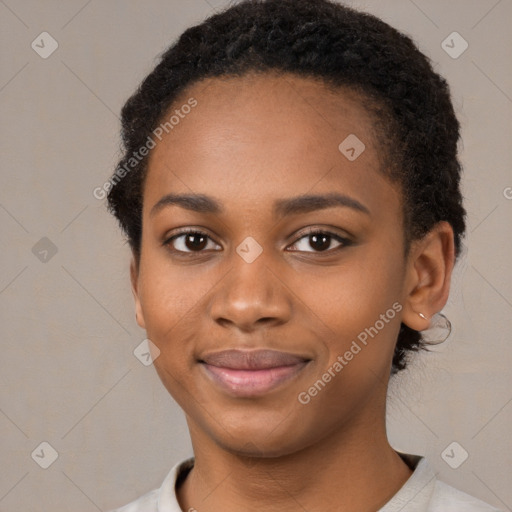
point(251, 360)
point(245, 373)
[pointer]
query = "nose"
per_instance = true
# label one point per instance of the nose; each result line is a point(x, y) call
point(252, 295)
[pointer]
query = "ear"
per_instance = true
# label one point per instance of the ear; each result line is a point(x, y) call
point(134, 278)
point(429, 270)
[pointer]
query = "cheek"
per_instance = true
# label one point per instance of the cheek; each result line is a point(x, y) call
point(172, 302)
point(362, 289)
point(359, 303)
point(171, 294)
point(171, 305)
point(361, 308)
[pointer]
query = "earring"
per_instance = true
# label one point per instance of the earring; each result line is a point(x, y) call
point(438, 331)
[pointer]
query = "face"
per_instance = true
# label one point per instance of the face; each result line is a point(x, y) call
point(304, 294)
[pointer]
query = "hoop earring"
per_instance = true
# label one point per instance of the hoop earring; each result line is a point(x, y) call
point(438, 331)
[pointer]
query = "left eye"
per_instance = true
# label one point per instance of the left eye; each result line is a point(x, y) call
point(321, 240)
point(194, 241)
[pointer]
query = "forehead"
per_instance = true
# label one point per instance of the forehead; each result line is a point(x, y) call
point(267, 136)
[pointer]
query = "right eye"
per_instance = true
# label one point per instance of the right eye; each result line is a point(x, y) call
point(188, 241)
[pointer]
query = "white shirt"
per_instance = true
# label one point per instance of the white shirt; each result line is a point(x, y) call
point(422, 492)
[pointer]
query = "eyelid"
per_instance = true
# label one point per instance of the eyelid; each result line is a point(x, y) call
point(185, 231)
point(345, 241)
point(311, 230)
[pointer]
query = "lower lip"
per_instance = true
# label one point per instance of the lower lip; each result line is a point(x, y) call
point(245, 383)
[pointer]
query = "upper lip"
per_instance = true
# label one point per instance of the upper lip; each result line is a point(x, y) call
point(237, 359)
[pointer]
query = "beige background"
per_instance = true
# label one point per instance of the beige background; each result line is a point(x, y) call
point(68, 375)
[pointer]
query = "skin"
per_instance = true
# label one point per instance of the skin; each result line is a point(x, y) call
point(250, 141)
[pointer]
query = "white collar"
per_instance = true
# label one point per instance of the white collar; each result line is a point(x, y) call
point(415, 493)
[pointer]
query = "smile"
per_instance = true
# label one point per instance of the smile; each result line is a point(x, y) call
point(251, 373)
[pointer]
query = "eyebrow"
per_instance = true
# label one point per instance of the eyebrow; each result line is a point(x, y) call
point(202, 203)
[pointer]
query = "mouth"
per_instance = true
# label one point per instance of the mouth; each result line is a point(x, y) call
point(244, 373)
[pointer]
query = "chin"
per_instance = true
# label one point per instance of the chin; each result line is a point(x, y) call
point(266, 436)
point(261, 447)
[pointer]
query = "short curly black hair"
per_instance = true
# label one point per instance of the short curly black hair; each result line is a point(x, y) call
point(342, 47)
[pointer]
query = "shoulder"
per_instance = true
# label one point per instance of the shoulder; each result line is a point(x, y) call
point(146, 503)
point(163, 499)
point(423, 492)
point(446, 498)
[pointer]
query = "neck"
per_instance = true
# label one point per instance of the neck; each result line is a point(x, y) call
point(350, 470)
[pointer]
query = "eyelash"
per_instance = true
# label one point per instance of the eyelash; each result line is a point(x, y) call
point(345, 242)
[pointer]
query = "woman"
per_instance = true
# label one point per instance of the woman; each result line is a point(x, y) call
point(290, 192)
